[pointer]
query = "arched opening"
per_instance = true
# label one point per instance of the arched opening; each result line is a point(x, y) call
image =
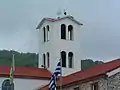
point(44, 61)
point(70, 32)
point(63, 57)
point(6, 85)
point(48, 59)
point(70, 60)
point(48, 32)
point(44, 34)
point(63, 31)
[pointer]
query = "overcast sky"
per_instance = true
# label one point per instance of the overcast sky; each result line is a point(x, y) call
point(100, 34)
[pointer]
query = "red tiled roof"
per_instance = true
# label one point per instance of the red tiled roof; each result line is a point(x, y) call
point(44, 88)
point(57, 19)
point(26, 72)
point(94, 71)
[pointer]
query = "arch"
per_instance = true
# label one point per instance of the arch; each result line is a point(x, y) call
point(63, 57)
point(70, 32)
point(44, 61)
point(48, 59)
point(48, 32)
point(44, 33)
point(6, 85)
point(70, 60)
point(63, 31)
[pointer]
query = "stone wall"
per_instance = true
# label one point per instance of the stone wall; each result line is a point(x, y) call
point(109, 83)
point(87, 86)
point(114, 82)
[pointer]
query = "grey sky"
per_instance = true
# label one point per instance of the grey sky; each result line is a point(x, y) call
point(99, 35)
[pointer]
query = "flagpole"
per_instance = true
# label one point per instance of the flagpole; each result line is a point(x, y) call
point(55, 83)
point(13, 66)
point(61, 74)
point(13, 62)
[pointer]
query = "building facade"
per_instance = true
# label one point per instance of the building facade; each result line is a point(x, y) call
point(25, 83)
point(105, 76)
point(98, 83)
point(25, 78)
point(60, 39)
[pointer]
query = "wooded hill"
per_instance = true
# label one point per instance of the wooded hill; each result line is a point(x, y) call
point(31, 59)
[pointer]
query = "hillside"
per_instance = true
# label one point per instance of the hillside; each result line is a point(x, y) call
point(21, 59)
point(31, 59)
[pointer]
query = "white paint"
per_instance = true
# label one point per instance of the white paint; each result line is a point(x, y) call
point(26, 84)
point(113, 72)
point(55, 45)
point(48, 35)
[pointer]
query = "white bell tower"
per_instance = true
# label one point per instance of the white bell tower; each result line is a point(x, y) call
point(59, 38)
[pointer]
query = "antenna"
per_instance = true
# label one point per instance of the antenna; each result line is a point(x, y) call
point(62, 9)
point(65, 13)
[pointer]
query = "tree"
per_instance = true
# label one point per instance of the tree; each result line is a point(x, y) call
point(87, 63)
point(21, 59)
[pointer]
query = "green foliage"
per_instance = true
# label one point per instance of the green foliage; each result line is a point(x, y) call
point(87, 63)
point(31, 59)
point(21, 59)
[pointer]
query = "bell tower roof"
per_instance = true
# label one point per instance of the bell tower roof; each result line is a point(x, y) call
point(58, 19)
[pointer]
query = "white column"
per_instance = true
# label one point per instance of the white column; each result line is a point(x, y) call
point(66, 59)
point(67, 36)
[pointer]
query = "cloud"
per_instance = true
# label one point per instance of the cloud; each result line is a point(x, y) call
point(99, 35)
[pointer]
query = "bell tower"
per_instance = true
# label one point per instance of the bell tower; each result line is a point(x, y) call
point(59, 38)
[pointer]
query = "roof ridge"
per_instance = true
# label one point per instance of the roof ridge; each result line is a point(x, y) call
point(57, 19)
point(94, 66)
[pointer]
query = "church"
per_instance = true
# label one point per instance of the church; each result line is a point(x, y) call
point(59, 38)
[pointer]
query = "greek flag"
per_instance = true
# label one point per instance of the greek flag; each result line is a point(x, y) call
point(58, 70)
point(52, 84)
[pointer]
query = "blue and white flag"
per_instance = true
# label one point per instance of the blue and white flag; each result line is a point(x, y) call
point(52, 84)
point(58, 70)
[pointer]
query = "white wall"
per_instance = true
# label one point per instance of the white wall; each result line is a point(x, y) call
point(56, 45)
point(113, 72)
point(26, 84)
point(44, 47)
point(69, 46)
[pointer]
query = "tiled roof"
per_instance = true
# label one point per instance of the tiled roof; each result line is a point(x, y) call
point(94, 71)
point(26, 72)
point(57, 19)
point(44, 88)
